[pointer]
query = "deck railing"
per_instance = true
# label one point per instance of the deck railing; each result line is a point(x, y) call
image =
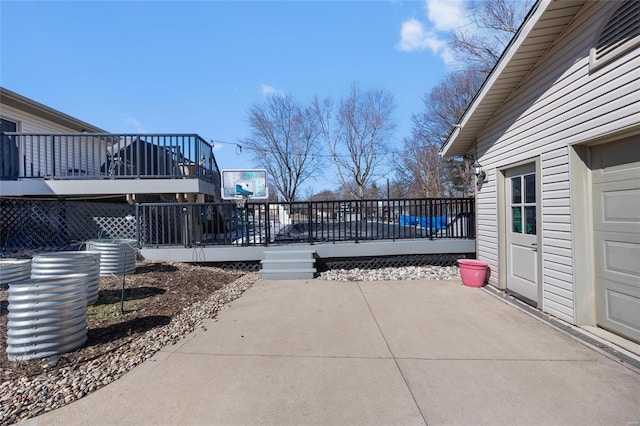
point(106, 156)
point(201, 224)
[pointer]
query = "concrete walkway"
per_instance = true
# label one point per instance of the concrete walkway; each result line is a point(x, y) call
point(392, 353)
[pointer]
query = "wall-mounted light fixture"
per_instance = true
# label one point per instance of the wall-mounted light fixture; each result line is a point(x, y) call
point(477, 168)
point(481, 175)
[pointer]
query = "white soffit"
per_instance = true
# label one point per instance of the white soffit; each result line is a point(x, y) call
point(535, 37)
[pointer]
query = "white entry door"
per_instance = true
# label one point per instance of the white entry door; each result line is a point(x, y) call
point(522, 230)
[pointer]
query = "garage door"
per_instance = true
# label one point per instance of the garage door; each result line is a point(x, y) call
point(616, 233)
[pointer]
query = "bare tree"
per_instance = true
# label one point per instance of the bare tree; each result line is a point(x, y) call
point(273, 193)
point(494, 23)
point(326, 195)
point(357, 133)
point(445, 103)
point(421, 171)
point(285, 141)
point(420, 168)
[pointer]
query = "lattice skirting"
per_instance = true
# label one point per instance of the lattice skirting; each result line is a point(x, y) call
point(373, 262)
point(28, 226)
point(376, 262)
point(248, 266)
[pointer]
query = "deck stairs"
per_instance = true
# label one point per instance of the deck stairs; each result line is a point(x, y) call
point(288, 265)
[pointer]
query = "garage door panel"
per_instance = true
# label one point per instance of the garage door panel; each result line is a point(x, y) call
point(624, 311)
point(616, 226)
point(626, 287)
point(617, 207)
point(622, 258)
point(621, 205)
point(618, 256)
point(619, 173)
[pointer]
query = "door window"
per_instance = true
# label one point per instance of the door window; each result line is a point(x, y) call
point(9, 155)
point(523, 204)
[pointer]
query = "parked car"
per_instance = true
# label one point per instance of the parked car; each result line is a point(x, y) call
point(294, 232)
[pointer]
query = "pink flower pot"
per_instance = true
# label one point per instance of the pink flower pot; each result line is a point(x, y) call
point(473, 272)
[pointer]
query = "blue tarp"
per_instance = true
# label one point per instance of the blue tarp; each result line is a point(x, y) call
point(436, 222)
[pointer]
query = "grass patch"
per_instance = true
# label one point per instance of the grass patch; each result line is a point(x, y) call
point(107, 311)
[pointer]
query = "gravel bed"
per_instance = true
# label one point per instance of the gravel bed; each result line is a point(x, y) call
point(393, 274)
point(31, 396)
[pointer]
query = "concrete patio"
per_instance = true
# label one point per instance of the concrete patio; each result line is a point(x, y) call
point(392, 353)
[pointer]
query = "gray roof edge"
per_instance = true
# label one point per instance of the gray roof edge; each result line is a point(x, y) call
point(32, 107)
point(529, 23)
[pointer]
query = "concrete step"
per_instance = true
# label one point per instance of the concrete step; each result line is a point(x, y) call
point(287, 274)
point(311, 262)
point(288, 254)
point(288, 264)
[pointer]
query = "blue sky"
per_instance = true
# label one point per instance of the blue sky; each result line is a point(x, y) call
point(197, 66)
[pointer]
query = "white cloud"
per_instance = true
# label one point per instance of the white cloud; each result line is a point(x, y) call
point(413, 36)
point(448, 58)
point(268, 90)
point(134, 125)
point(443, 17)
point(446, 15)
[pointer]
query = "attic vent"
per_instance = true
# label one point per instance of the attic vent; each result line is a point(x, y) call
point(621, 34)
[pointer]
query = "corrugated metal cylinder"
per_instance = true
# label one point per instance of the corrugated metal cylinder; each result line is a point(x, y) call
point(116, 256)
point(47, 316)
point(60, 264)
point(14, 270)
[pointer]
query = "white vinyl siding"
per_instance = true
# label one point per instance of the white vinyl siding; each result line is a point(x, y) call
point(486, 236)
point(73, 152)
point(31, 123)
point(560, 103)
point(557, 259)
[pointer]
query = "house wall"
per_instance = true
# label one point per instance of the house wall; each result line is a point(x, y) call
point(29, 123)
point(560, 103)
point(72, 153)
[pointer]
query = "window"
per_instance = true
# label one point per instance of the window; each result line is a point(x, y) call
point(8, 126)
point(620, 34)
point(9, 156)
point(523, 204)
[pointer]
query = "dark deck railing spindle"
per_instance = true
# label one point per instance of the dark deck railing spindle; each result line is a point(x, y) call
point(309, 222)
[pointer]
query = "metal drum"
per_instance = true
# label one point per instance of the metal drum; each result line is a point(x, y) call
point(61, 264)
point(117, 257)
point(47, 316)
point(14, 270)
